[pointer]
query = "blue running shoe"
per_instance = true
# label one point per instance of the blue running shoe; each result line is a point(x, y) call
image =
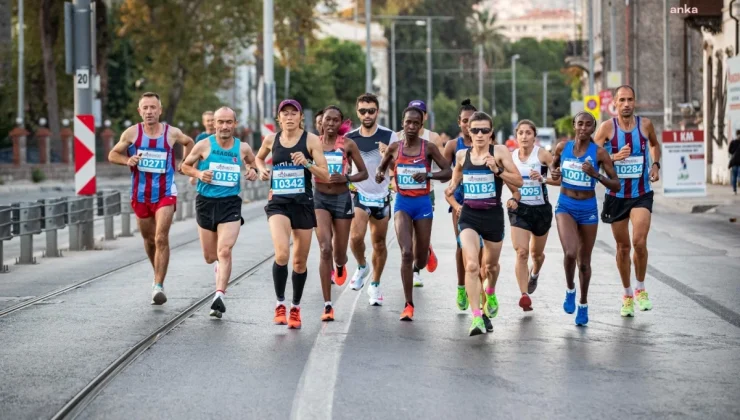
point(569, 306)
point(582, 315)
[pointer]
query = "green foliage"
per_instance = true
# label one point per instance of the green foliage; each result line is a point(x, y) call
point(564, 126)
point(37, 175)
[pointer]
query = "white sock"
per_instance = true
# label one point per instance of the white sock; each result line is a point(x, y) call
point(280, 302)
point(582, 305)
point(628, 291)
point(327, 303)
point(295, 306)
point(639, 285)
point(220, 294)
point(534, 276)
point(571, 290)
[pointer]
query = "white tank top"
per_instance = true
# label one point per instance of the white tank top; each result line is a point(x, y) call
point(532, 191)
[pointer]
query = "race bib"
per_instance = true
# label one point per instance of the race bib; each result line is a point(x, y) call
point(531, 192)
point(479, 185)
point(288, 180)
point(371, 202)
point(153, 161)
point(334, 162)
point(225, 174)
point(573, 173)
point(405, 176)
point(630, 167)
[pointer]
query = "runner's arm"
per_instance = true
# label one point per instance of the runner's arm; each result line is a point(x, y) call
point(247, 156)
point(118, 154)
point(457, 172)
point(319, 168)
point(353, 152)
point(445, 172)
point(603, 133)
point(546, 158)
point(181, 138)
point(188, 164)
point(612, 182)
point(388, 158)
point(655, 152)
point(265, 149)
point(511, 175)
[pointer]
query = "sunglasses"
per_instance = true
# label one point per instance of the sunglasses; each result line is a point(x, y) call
point(370, 111)
point(481, 130)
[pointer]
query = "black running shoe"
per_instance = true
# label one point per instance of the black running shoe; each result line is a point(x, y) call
point(532, 285)
point(489, 325)
point(218, 308)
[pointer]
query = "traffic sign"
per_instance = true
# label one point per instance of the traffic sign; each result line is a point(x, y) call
point(607, 105)
point(592, 105)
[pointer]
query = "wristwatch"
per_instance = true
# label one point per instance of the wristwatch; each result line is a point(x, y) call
point(429, 175)
point(657, 163)
point(500, 171)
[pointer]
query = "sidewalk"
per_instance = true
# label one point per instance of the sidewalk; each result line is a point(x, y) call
point(719, 200)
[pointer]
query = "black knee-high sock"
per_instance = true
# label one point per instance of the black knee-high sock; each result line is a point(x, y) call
point(299, 281)
point(416, 269)
point(279, 279)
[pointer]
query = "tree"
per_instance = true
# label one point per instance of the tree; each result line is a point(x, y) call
point(485, 31)
point(195, 41)
point(49, 25)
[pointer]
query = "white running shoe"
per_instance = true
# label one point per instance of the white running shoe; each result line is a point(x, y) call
point(376, 295)
point(358, 279)
point(418, 282)
point(158, 296)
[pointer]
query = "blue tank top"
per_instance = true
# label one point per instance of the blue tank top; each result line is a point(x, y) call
point(226, 167)
point(633, 172)
point(572, 175)
point(459, 192)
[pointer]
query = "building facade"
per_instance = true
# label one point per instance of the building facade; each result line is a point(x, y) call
point(559, 24)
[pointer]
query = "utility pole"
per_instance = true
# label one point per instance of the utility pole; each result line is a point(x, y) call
point(429, 73)
point(368, 59)
point(591, 47)
point(667, 104)
point(268, 62)
point(480, 77)
point(21, 30)
point(394, 127)
point(544, 99)
point(613, 36)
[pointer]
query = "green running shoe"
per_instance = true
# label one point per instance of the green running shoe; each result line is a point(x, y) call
point(491, 306)
point(628, 306)
point(462, 299)
point(478, 327)
point(642, 300)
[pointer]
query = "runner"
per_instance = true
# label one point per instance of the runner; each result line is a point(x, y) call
point(218, 205)
point(627, 138)
point(318, 122)
point(413, 210)
point(482, 170)
point(577, 214)
point(147, 149)
point(456, 200)
point(371, 200)
point(530, 212)
point(209, 130)
point(290, 207)
point(333, 202)
point(433, 137)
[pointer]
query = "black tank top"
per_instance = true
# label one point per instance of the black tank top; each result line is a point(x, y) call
point(290, 183)
point(481, 188)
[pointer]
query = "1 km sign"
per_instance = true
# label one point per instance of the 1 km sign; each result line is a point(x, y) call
point(683, 164)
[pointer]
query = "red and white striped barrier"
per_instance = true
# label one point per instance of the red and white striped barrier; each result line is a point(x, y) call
point(266, 130)
point(84, 149)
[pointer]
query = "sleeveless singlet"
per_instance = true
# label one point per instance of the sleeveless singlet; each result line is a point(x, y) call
point(633, 172)
point(481, 188)
point(290, 183)
point(534, 193)
point(460, 145)
point(407, 166)
point(336, 159)
point(153, 178)
point(573, 176)
point(226, 167)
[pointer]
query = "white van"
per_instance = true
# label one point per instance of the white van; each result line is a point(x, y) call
point(546, 137)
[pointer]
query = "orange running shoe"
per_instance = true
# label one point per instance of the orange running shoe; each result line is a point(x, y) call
point(280, 315)
point(294, 322)
point(432, 262)
point(328, 314)
point(340, 279)
point(408, 313)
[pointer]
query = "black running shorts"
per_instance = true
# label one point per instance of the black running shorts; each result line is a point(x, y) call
point(489, 224)
point(377, 211)
point(536, 219)
point(338, 205)
point(211, 212)
point(617, 209)
point(301, 216)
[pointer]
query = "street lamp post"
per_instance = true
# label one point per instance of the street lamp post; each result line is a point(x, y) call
point(393, 75)
point(429, 72)
point(368, 61)
point(514, 115)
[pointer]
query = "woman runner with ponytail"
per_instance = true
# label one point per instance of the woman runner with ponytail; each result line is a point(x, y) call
point(333, 202)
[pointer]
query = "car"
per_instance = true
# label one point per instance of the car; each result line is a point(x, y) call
point(546, 137)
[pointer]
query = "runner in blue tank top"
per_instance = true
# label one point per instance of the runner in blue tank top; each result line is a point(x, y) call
point(456, 201)
point(577, 162)
point(629, 138)
point(219, 161)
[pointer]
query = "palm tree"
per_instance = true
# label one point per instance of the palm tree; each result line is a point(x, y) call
point(484, 27)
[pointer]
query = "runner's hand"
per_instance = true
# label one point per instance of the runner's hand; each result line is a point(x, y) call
point(379, 177)
point(654, 173)
point(623, 153)
point(382, 147)
point(134, 160)
point(512, 204)
point(490, 161)
point(251, 174)
point(458, 210)
point(193, 180)
point(589, 169)
point(206, 176)
point(336, 178)
point(535, 175)
point(449, 191)
point(555, 174)
point(265, 175)
point(420, 177)
point(298, 159)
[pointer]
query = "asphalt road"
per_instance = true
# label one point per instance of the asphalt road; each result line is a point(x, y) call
point(680, 360)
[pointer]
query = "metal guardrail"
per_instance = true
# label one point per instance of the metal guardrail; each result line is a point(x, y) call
point(79, 213)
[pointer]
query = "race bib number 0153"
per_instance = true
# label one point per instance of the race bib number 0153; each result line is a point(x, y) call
point(224, 174)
